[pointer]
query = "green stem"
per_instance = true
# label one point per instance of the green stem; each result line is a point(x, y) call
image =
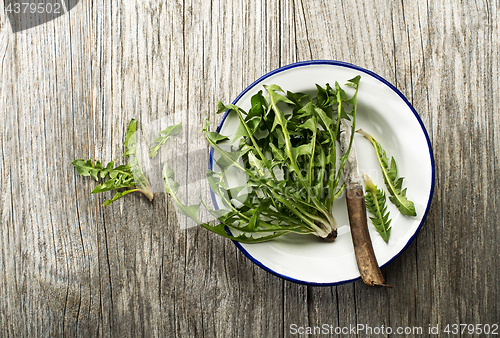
point(311, 160)
point(255, 145)
point(390, 187)
point(299, 212)
point(288, 147)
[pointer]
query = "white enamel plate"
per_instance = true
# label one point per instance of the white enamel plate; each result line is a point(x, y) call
point(387, 115)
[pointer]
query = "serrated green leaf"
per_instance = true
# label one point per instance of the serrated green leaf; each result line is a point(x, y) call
point(121, 181)
point(376, 204)
point(341, 95)
point(297, 99)
point(278, 154)
point(276, 98)
point(130, 135)
point(86, 168)
point(392, 182)
point(226, 159)
point(83, 167)
point(216, 137)
point(247, 128)
point(163, 138)
point(256, 163)
point(322, 97)
point(221, 108)
point(118, 195)
point(190, 211)
point(305, 149)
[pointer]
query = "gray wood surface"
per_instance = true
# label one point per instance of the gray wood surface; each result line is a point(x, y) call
point(70, 267)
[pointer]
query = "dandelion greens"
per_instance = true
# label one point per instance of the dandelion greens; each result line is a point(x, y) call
point(285, 149)
point(125, 179)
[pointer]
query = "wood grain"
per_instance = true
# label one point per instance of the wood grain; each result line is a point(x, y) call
point(70, 267)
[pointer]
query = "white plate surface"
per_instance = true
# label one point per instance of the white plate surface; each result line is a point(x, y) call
point(387, 115)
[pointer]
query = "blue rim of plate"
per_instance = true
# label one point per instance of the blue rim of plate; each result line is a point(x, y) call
point(388, 84)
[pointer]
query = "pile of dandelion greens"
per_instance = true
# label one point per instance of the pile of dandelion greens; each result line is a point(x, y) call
point(286, 149)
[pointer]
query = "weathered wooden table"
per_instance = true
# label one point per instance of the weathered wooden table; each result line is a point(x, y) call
point(70, 267)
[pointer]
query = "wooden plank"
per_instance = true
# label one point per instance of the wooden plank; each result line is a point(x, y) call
point(70, 267)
